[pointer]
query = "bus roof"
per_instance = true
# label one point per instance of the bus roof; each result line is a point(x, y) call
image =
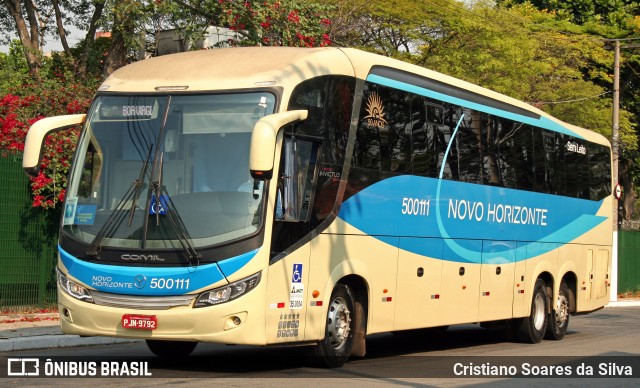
point(229, 69)
point(251, 67)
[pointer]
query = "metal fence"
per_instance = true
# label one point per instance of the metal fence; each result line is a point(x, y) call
point(28, 238)
point(628, 261)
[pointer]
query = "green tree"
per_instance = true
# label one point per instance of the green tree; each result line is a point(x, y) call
point(14, 70)
point(24, 19)
point(606, 12)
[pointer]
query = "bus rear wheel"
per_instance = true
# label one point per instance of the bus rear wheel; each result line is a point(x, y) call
point(532, 328)
point(334, 350)
point(559, 317)
point(171, 349)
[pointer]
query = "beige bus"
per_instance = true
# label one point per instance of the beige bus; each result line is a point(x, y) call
point(315, 196)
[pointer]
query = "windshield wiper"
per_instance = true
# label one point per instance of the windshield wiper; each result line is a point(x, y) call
point(118, 215)
point(159, 192)
point(138, 183)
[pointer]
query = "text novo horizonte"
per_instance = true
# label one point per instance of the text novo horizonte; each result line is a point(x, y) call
point(496, 212)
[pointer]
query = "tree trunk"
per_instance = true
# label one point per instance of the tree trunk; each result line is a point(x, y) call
point(122, 26)
point(61, 32)
point(626, 181)
point(89, 40)
point(28, 34)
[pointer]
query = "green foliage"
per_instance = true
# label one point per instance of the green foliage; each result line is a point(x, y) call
point(13, 68)
point(96, 58)
point(604, 12)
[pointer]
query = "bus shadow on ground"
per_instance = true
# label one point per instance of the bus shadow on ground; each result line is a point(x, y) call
point(249, 361)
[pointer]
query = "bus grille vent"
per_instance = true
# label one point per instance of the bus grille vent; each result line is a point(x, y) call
point(141, 302)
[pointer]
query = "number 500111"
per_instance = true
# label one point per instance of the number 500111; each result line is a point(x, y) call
point(416, 206)
point(179, 284)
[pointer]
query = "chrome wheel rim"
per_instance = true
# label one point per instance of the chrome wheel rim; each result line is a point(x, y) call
point(338, 323)
point(562, 311)
point(538, 311)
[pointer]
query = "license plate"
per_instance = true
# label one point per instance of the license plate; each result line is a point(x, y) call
point(142, 322)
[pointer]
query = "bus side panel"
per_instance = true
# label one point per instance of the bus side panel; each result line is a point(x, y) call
point(419, 285)
point(603, 269)
point(538, 264)
point(594, 280)
point(288, 297)
point(496, 280)
point(570, 260)
point(335, 256)
point(521, 287)
point(461, 280)
point(594, 270)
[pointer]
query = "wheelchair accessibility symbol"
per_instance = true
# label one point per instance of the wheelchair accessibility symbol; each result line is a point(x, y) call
point(296, 276)
point(158, 207)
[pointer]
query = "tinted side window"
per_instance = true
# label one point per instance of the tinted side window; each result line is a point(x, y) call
point(576, 167)
point(467, 156)
point(383, 140)
point(599, 171)
point(329, 101)
point(400, 132)
point(492, 134)
point(371, 125)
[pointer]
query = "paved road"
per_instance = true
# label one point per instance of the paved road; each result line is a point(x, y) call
point(396, 360)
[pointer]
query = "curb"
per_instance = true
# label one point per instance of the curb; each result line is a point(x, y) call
point(57, 341)
point(635, 303)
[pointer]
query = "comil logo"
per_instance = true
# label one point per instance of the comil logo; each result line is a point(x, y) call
point(129, 257)
point(375, 110)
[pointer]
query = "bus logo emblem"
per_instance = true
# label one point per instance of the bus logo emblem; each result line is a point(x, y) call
point(140, 281)
point(375, 110)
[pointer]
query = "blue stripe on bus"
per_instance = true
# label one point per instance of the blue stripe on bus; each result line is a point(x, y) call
point(498, 252)
point(464, 214)
point(151, 281)
point(542, 122)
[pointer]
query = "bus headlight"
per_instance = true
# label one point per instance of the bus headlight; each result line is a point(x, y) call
point(228, 292)
point(73, 289)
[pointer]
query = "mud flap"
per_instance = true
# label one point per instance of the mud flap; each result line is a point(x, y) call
point(359, 343)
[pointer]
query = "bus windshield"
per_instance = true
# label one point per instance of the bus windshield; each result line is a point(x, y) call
point(155, 171)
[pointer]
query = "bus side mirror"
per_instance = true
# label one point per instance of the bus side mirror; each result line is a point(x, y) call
point(33, 144)
point(263, 141)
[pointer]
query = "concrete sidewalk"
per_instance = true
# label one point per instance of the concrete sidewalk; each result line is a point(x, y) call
point(39, 331)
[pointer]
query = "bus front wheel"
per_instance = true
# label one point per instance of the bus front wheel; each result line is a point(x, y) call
point(334, 350)
point(169, 349)
point(559, 317)
point(532, 328)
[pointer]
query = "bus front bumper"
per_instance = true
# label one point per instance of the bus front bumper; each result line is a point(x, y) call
point(230, 323)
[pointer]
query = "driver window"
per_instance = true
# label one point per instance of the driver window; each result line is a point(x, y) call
point(296, 187)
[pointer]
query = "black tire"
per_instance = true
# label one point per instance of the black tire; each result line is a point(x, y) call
point(334, 350)
point(171, 349)
point(532, 329)
point(559, 318)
